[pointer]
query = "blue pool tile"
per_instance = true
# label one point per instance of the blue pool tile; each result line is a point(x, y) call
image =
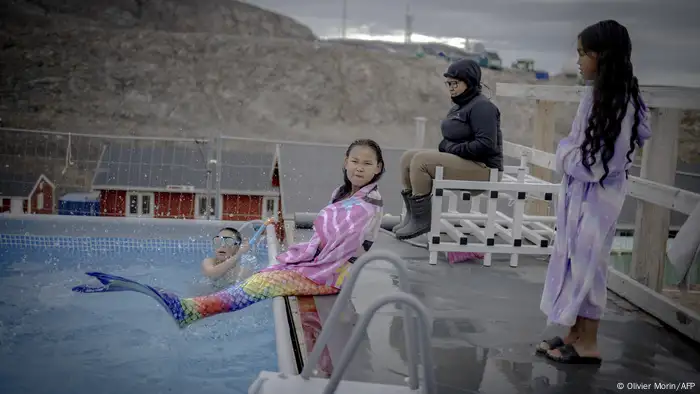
point(100, 243)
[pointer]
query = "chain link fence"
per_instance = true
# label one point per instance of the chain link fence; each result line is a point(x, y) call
point(161, 177)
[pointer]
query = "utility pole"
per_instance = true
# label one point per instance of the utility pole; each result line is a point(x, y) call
point(345, 17)
point(408, 32)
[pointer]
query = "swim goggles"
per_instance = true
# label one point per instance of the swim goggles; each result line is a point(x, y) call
point(219, 241)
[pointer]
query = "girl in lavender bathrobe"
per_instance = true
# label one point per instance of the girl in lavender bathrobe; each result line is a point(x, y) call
point(611, 123)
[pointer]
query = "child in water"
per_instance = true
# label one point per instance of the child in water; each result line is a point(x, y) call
point(343, 230)
point(225, 265)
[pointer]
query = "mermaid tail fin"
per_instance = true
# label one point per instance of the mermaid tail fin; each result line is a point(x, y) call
point(262, 285)
point(94, 289)
point(111, 283)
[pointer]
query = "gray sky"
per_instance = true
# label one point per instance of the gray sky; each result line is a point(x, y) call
point(665, 33)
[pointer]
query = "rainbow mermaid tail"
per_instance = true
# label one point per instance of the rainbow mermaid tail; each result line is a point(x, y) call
point(260, 286)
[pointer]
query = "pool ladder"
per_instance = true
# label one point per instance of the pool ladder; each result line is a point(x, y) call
point(273, 382)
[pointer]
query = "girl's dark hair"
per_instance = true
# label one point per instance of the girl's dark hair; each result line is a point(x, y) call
point(346, 188)
point(614, 86)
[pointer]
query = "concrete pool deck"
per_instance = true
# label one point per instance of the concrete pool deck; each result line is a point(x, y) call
point(486, 323)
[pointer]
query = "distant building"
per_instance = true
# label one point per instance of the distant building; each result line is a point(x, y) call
point(171, 182)
point(79, 204)
point(524, 64)
point(570, 68)
point(491, 60)
point(541, 75)
point(25, 192)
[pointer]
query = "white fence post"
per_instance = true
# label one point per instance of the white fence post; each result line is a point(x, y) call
point(420, 132)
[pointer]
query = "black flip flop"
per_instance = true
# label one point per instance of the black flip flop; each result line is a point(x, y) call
point(569, 355)
point(554, 343)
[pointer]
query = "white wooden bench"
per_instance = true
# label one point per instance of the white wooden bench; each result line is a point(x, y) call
point(519, 234)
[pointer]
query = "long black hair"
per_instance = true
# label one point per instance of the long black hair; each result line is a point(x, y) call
point(614, 86)
point(346, 188)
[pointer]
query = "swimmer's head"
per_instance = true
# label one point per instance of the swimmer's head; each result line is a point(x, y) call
point(226, 243)
point(363, 165)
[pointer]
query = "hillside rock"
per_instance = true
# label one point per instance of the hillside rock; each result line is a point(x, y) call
point(187, 68)
point(175, 16)
point(87, 78)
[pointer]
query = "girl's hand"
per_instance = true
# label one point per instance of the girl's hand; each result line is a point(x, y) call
point(245, 246)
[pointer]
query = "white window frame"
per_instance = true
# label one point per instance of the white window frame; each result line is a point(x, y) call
point(263, 210)
point(139, 204)
point(197, 206)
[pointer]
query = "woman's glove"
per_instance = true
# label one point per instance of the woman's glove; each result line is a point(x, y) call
point(443, 145)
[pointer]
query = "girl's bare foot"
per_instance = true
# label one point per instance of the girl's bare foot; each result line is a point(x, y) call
point(584, 350)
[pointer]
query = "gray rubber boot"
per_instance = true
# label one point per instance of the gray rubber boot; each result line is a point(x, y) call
point(419, 222)
point(405, 194)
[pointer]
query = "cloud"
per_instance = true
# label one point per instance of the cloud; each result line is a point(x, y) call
point(665, 33)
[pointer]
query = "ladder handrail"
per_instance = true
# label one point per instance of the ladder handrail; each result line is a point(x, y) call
point(351, 347)
point(344, 296)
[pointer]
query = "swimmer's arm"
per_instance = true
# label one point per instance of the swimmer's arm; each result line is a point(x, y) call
point(244, 273)
point(213, 271)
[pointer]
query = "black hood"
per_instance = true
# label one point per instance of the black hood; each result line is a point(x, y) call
point(466, 70)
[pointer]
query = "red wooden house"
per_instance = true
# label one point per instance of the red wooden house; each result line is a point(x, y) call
point(24, 192)
point(166, 181)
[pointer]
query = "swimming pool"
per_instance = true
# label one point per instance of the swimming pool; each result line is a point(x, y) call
point(53, 340)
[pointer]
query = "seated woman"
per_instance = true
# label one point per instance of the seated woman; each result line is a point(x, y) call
point(472, 144)
point(343, 230)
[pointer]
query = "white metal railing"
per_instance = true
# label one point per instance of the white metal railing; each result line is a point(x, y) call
point(679, 200)
point(343, 299)
point(422, 342)
point(274, 383)
point(654, 96)
point(105, 136)
point(268, 382)
point(286, 361)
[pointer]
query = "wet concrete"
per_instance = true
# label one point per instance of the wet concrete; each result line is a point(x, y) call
point(486, 325)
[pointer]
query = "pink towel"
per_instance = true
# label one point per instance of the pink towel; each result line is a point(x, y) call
point(339, 231)
point(461, 257)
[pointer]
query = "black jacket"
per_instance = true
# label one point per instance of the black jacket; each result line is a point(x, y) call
point(472, 127)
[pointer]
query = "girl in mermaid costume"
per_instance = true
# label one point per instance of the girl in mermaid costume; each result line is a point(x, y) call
point(343, 230)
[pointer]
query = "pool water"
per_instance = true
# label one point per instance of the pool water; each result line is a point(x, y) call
point(53, 340)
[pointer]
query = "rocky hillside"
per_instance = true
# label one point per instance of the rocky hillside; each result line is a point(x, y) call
point(175, 16)
point(197, 68)
point(89, 71)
